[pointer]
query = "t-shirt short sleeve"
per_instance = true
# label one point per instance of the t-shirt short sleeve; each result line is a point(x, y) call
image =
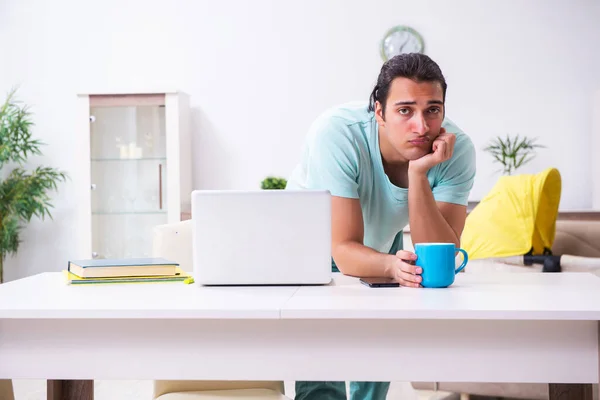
point(456, 176)
point(332, 158)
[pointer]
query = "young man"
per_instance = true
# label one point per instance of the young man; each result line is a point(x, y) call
point(395, 161)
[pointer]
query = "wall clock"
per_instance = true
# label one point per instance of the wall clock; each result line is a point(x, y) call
point(401, 39)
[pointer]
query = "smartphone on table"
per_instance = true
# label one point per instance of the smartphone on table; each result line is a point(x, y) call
point(379, 282)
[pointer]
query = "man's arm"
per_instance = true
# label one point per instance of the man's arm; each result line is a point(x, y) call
point(351, 256)
point(432, 221)
point(442, 220)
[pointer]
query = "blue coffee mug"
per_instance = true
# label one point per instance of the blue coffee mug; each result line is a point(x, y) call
point(438, 263)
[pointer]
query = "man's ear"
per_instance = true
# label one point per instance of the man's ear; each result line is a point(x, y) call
point(379, 113)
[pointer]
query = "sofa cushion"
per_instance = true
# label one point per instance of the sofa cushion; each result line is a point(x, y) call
point(174, 242)
point(577, 238)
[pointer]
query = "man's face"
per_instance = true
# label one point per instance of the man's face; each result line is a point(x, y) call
point(413, 117)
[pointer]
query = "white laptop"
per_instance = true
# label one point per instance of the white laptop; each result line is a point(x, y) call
point(261, 237)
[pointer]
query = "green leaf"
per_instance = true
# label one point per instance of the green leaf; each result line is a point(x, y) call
point(23, 193)
point(272, 182)
point(512, 152)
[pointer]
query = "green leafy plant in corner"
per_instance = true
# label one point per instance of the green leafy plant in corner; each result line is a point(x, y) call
point(512, 152)
point(23, 193)
point(273, 182)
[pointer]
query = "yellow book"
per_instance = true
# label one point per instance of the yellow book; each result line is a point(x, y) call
point(180, 276)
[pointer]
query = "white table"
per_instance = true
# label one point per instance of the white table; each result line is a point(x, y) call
point(502, 327)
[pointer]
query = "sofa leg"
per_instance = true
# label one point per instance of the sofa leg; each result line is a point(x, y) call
point(464, 396)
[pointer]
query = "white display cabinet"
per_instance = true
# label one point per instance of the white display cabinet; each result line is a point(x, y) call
point(138, 161)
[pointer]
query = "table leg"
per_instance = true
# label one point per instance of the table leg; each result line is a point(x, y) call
point(6, 390)
point(564, 391)
point(70, 390)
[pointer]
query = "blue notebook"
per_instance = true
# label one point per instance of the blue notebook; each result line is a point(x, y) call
point(105, 267)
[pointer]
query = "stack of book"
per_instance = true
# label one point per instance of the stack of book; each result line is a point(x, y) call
point(130, 270)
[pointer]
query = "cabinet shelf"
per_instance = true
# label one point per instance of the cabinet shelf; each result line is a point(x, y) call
point(158, 212)
point(129, 159)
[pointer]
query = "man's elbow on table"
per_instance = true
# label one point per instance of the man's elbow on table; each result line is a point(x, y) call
point(344, 261)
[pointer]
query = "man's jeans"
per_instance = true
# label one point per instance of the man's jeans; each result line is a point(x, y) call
point(337, 390)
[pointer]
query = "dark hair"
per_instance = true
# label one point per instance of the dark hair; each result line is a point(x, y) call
point(415, 66)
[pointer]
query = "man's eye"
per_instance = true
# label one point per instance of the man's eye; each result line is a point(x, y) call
point(404, 111)
point(434, 110)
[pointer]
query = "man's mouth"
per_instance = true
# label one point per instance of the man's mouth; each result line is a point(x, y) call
point(419, 141)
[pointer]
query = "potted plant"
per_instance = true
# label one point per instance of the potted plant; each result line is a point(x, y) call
point(273, 183)
point(23, 193)
point(512, 152)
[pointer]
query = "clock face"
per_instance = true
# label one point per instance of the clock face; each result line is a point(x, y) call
point(401, 40)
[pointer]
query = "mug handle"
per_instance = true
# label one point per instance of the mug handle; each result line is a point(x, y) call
point(464, 263)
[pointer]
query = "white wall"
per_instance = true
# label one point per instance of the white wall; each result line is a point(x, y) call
point(259, 71)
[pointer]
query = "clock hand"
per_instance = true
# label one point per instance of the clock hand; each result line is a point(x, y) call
point(400, 47)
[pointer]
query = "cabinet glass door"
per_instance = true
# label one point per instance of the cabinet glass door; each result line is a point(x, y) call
point(128, 175)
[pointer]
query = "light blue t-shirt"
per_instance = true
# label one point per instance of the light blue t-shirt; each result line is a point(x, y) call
point(341, 154)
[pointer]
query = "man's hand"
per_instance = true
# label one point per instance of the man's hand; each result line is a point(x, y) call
point(403, 271)
point(442, 150)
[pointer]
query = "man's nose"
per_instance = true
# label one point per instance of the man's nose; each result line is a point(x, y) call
point(420, 125)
